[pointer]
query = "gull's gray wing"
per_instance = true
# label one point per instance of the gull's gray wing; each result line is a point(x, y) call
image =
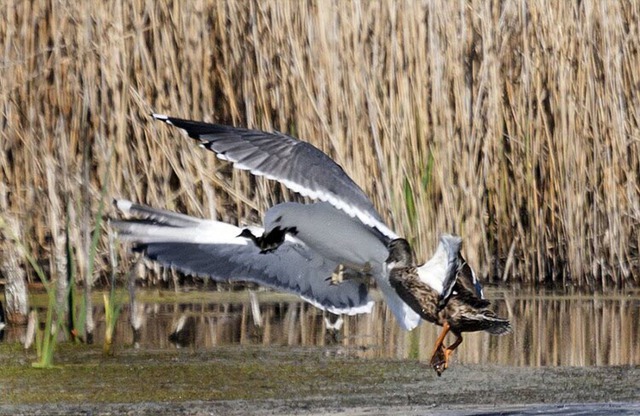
point(298, 165)
point(213, 249)
point(286, 269)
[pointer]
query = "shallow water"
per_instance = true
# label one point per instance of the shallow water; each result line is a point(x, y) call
point(550, 329)
point(569, 354)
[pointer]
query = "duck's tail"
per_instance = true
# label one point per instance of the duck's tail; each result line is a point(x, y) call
point(483, 320)
point(498, 326)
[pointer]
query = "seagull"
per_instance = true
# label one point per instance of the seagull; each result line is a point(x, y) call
point(465, 310)
point(300, 247)
point(216, 250)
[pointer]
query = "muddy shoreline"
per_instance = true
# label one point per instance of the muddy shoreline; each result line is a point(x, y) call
point(276, 407)
point(282, 380)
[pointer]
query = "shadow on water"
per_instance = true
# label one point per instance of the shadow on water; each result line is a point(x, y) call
point(550, 329)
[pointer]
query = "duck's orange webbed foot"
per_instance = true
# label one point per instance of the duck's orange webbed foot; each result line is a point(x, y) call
point(439, 360)
point(441, 356)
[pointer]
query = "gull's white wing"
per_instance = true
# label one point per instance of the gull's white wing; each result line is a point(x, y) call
point(212, 249)
point(298, 165)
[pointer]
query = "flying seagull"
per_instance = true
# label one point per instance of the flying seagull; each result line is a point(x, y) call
point(465, 310)
point(326, 252)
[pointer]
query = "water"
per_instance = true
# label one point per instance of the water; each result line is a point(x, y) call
point(550, 329)
point(569, 354)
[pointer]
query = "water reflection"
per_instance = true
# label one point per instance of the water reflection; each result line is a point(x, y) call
point(548, 329)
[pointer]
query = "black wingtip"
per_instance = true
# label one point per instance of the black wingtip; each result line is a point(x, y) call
point(193, 129)
point(140, 248)
point(161, 117)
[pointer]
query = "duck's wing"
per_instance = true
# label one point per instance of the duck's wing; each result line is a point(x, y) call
point(452, 245)
point(213, 249)
point(467, 279)
point(298, 165)
point(440, 272)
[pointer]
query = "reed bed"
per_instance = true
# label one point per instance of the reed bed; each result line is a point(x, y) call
point(514, 124)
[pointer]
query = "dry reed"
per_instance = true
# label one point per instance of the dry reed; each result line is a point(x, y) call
point(514, 124)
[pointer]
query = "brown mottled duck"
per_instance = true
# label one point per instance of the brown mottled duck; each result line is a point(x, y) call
point(458, 307)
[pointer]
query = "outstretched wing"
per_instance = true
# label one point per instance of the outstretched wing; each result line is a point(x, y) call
point(467, 280)
point(212, 249)
point(440, 272)
point(298, 165)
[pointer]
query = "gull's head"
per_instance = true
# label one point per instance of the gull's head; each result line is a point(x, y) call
point(400, 254)
point(246, 233)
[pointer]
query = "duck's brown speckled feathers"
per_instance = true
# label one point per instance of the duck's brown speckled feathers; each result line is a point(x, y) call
point(420, 297)
point(464, 311)
point(467, 284)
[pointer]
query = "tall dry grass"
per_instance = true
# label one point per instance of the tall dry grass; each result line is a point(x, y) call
point(514, 124)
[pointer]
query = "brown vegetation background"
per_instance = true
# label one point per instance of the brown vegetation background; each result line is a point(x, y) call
point(514, 124)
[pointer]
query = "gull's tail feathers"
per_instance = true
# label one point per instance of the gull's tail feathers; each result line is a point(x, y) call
point(155, 225)
point(405, 316)
point(162, 216)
